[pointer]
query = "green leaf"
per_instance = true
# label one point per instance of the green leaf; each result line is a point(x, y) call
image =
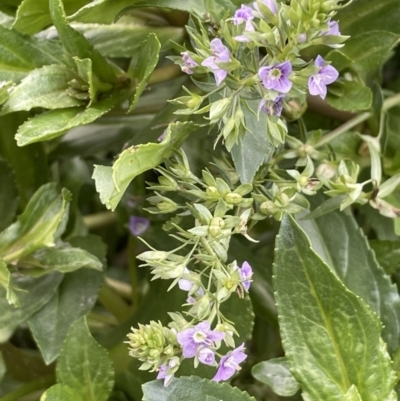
point(111, 182)
point(38, 226)
point(5, 281)
point(387, 253)
point(20, 54)
point(276, 374)
point(325, 207)
point(354, 96)
point(124, 38)
point(192, 388)
point(33, 294)
point(366, 15)
point(255, 148)
point(54, 123)
point(364, 52)
point(64, 259)
point(338, 240)
point(2, 367)
point(34, 15)
point(142, 66)
point(84, 365)
point(77, 45)
point(45, 87)
point(8, 195)
point(330, 336)
point(60, 392)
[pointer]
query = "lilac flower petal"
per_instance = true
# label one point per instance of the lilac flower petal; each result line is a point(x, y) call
point(220, 75)
point(206, 356)
point(328, 74)
point(162, 371)
point(246, 273)
point(269, 3)
point(243, 14)
point(185, 336)
point(229, 364)
point(285, 67)
point(185, 285)
point(210, 63)
point(220, 51)
point(283, 85)
point(138, 225)
point(333, 28)
point(316, 87)
point(215, 335)
point(203, 326)
point(276, 77)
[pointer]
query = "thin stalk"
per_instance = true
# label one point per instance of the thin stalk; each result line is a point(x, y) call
point(133, 274)
point(38, 384)
point(387, 104)
point(165, 74)
point(111, 300)
point(98, 220)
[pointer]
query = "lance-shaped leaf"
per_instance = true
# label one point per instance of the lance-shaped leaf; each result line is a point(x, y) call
point(39, 225)
point(111, 182)
point(276, 374)
point(341, 244)
point(45, 87)
point(77, 45)
point(54, 123)
point(74, 298)
point(60, 392)
point(84, 365)
point(20, 54)
point(193, 388)
point(255, 148)
point(331, 336)
point(364, 52)
point(34, 15)
point(8, 195)
point(143, 65)
point(33, 294)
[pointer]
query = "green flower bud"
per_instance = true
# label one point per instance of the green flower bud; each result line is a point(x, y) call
point(305, 150)
point(212, 192)
point(219, 108)
point(216, 225)
point(149, 344)
point(268, 207)
point(233, 198)
point(303, 181)
point(168, 182)
point(167, 206)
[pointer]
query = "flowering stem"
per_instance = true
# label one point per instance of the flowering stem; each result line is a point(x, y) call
point(33, 386)
point(387, 104)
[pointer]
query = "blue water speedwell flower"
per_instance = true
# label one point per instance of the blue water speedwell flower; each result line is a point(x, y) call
point(138, 225)
point(166, 372)
point(269, 3)
point(188, 63)
point(220, 55)
point(206, 356)
point(276, 77)
point(272, 107)
point(246, 273)
point(244, 14)
point(333, 28)
point(325, 76)
point(229, 364)
point(198, 336)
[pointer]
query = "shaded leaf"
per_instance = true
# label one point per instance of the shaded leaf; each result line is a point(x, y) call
point(60, 392)
point(364, 52)
point(8, 195)
point(354, 96)
point(111, 182)
point(44, 87)
point(84, 365)
point(20, 54)
point(388, 254)
point(2, 367)
point(77, 45)
point(276, 374)
point(38, 226)
point(5, 281)
point(192, 388)
point(143, 65)
point(34, 15)
point(54, 123)
point(330, 336)
point(33, 294)
point(255, 148)
point(338, 240)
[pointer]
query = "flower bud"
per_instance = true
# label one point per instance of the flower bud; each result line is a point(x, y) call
point(212, 192)
point(219, 108)
point(305, 150)
point(268, 207)
point(168, 182)
point(167, 206)
point(303, 180)
point(233, 198)
point(216, 225)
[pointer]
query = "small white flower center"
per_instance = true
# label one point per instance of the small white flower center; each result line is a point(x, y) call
point(199, 337)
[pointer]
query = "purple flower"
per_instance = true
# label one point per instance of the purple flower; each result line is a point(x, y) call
point(272, 107)
point(276, 77)
point(198, 336)
point(269, 3)
point(220, 55)
point(244, 14)
point(163, 371)
point(138, 225)
point(188, 63)
point(325, 76)
point(206, 356)
point(246, 273)
point(229, 364)
point(333, 28)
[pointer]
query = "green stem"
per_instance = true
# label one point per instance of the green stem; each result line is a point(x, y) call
point(166, 73)
point(98, 220)
point(38, 384)
point(387, 104)
point(111, 300)
point(132, 267)
point(123, 289)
